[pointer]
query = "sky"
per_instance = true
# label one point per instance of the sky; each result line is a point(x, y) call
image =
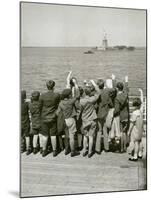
point(68, 26)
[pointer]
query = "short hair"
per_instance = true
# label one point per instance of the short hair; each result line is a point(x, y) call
point(81, 90)
point(23, 94)
point(100, 83)
point(137, 102)
point(87, 90)
point(71, 81)
point(66, 93)
point(35, 95)
point(50, 84)
point(120, 86)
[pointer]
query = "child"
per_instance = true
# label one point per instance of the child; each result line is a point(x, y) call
point(25, 123)
point(122, 111)
point(89, 118)
point(67, 107)
point(35, 111)
point(136, 128)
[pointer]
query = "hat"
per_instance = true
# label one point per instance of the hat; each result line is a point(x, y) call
point(50, 84)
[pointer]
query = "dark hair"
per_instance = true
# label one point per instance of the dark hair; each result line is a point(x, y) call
point(23, 94)
point(100, 83)
point(66, 93)
point(71, 81)
point(35, 95)
point(81, 90)
point(120, 86)
point(137, 102)
point(87, 90)
point(50, 84)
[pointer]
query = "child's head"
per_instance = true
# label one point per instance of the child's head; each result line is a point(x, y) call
point(50, 84)
point(137, 103)
point(67, 93)
point(72, 81)
point(100, 83)
point(81, 91)
point(120, 86)
point(88, 91)
point(23, 95)
point(35, 95)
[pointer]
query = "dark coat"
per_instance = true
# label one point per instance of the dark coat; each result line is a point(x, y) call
point(35, 110)
point(49, 103)
point(104, 104)
point(25, 122)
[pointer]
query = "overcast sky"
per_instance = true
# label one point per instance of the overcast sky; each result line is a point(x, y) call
point(59, 25)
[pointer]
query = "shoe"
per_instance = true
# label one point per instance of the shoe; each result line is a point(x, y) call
point(106, 150)
point(90, 155)
point(28, 152)
point(35, 150)
point(41, 150)
point(55, 153)
point(133, 159)
point(85, 153)
point(140, 157)
point(75, 153)
point(67, 151)
point(44, 153)
point(98, 152)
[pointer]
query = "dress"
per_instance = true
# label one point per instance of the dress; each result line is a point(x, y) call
point(137, 130)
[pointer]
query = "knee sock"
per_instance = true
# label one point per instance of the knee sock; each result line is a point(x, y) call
point(27, 143)
point(35, 140)
point(90, 144)
point(54, 143)
point(45, 140)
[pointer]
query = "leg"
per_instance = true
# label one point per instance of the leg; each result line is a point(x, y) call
point(54, 145)
point(41, 142)
point(35, 143)
point(27, 138)
point(106, 140)
point(85, 144)
point(90, 145)
point(60, 143)
point(136, 149)
point(98, 139)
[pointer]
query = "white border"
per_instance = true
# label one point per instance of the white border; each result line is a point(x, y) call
point(9, 100)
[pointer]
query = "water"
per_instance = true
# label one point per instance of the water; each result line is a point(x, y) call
point(40, 64)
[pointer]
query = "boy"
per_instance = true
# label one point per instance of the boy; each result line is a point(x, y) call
point(67, 106)
point(122, 110)
point(89, 118)
point(49, 102)
point(35, 111)
point(25, 124)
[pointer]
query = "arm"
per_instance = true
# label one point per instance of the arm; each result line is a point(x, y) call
point(68, 79)
point(126, 89)
point(117, 107)
point(113, 80)
point(95, 86)
point(75, 92)
point(141, 97)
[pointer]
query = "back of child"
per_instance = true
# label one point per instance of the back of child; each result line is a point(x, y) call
point(35, 111)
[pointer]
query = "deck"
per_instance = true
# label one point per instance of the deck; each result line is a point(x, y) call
point(65, 175)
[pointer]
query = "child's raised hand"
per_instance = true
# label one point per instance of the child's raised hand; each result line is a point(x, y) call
point(113, 77)
point(126, 79)
point(140, 90)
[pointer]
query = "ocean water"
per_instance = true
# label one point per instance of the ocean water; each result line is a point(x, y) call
point(39, 64)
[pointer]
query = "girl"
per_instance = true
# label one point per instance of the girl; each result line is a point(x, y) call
point(136, 128)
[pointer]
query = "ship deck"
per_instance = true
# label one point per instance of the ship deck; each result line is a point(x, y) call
point(75, 175)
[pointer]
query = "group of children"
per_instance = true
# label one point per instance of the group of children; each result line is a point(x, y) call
point(91, 118)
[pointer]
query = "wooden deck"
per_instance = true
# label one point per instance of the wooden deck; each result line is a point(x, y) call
point(65, 175)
